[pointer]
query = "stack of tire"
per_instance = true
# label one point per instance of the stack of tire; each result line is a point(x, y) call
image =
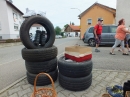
point(75, 76)
point(40, 55)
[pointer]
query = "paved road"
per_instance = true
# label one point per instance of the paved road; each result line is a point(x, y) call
point(12, 65)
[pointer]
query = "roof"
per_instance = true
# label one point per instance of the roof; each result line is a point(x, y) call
point(112, 10)
point(9, 3)
point(73, 27)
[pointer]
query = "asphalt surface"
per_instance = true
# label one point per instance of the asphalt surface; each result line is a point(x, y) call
point(12, 66)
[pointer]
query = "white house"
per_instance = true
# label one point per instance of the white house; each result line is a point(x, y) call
point(10, 20)
point(122, 11)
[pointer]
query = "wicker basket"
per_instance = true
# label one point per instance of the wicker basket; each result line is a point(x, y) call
point(106, 95)
point(44, 92)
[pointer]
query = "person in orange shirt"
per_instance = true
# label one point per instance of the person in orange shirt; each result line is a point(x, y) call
point(120, 36)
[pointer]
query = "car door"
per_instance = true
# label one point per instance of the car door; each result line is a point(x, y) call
point(105, 35)
point(112, 34)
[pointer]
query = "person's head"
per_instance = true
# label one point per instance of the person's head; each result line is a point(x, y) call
point(100, 21)
point(121, 22)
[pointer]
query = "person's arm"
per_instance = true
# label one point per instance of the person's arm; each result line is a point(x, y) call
point(125, 30)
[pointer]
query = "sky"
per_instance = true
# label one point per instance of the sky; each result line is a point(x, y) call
point(59, 12)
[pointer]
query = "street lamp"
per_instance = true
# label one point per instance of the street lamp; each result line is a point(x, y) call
point(78, 9)
point(79, 15)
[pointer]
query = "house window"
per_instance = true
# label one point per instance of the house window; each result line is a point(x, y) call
point(16, 27)
point(89, 22)
point(0, 26)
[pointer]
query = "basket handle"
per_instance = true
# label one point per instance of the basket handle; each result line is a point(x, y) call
point(47, 76)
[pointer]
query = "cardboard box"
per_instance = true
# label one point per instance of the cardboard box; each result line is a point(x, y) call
point(78, 53)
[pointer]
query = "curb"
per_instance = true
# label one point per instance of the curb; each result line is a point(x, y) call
point(3, 90)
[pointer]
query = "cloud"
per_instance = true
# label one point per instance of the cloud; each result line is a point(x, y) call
point(59, 12)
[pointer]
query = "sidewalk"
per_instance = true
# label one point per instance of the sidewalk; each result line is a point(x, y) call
point(101, 79)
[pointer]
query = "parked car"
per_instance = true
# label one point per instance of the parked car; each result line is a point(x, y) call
point(58, 36)
point(108, 35)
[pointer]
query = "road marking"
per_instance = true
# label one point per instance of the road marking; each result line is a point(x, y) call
point(17, 81)
point(21, 58)
point(11, 61)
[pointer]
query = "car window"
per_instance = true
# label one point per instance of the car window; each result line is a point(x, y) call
point(105, 29)
point(91, 30)
point(113, 29)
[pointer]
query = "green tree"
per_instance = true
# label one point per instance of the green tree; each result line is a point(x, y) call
point(62, 33)
point(72, 23)
point(57, 30)
point(65, 25)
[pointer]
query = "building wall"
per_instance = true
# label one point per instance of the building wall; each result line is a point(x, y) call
point(68, 29)
point(13, 21)
point(4, 31)
point(94, 13)
point(122, 11)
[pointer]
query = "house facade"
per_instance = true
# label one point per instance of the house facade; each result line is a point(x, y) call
point(72, 30)
point(122, 11)
point(90, 16)
point(10, 20)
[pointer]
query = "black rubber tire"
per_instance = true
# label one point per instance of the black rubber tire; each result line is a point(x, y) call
point(75, 84)
point(91, 42)
point(42, 79)
point(25, 27)
point(37, 67)
point(74, 69)
point(39, 55)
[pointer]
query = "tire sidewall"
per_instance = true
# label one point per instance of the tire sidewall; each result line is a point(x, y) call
point(24, 31)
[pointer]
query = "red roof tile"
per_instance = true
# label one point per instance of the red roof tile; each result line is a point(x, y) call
point(73, 27)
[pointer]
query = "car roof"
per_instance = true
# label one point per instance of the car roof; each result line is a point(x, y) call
point(105, 25)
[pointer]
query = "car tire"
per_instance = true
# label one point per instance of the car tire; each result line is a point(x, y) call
point(74, 69)
point(42, 79)
point(38, 67)
point(75, 84)
point(25, 27)
point(91, 42)
point(39, 55)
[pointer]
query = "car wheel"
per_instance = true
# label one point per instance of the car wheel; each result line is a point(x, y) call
point(75, 84)
point(74, 69)
point(42, 79)
point(38, 67)
point(39, 55)
point(25, 27)
point(91, 42)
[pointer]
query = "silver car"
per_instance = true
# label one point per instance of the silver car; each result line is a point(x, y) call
point(107, 37)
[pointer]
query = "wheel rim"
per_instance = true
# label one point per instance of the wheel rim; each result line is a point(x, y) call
point(91, 42)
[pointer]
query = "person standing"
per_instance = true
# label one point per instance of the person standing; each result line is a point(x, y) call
point(120, 37)
point(97, 33)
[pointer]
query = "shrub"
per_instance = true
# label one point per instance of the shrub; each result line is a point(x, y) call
point(10, 40)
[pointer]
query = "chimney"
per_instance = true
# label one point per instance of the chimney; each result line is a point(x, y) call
point(27, 9)
point(10, 1)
